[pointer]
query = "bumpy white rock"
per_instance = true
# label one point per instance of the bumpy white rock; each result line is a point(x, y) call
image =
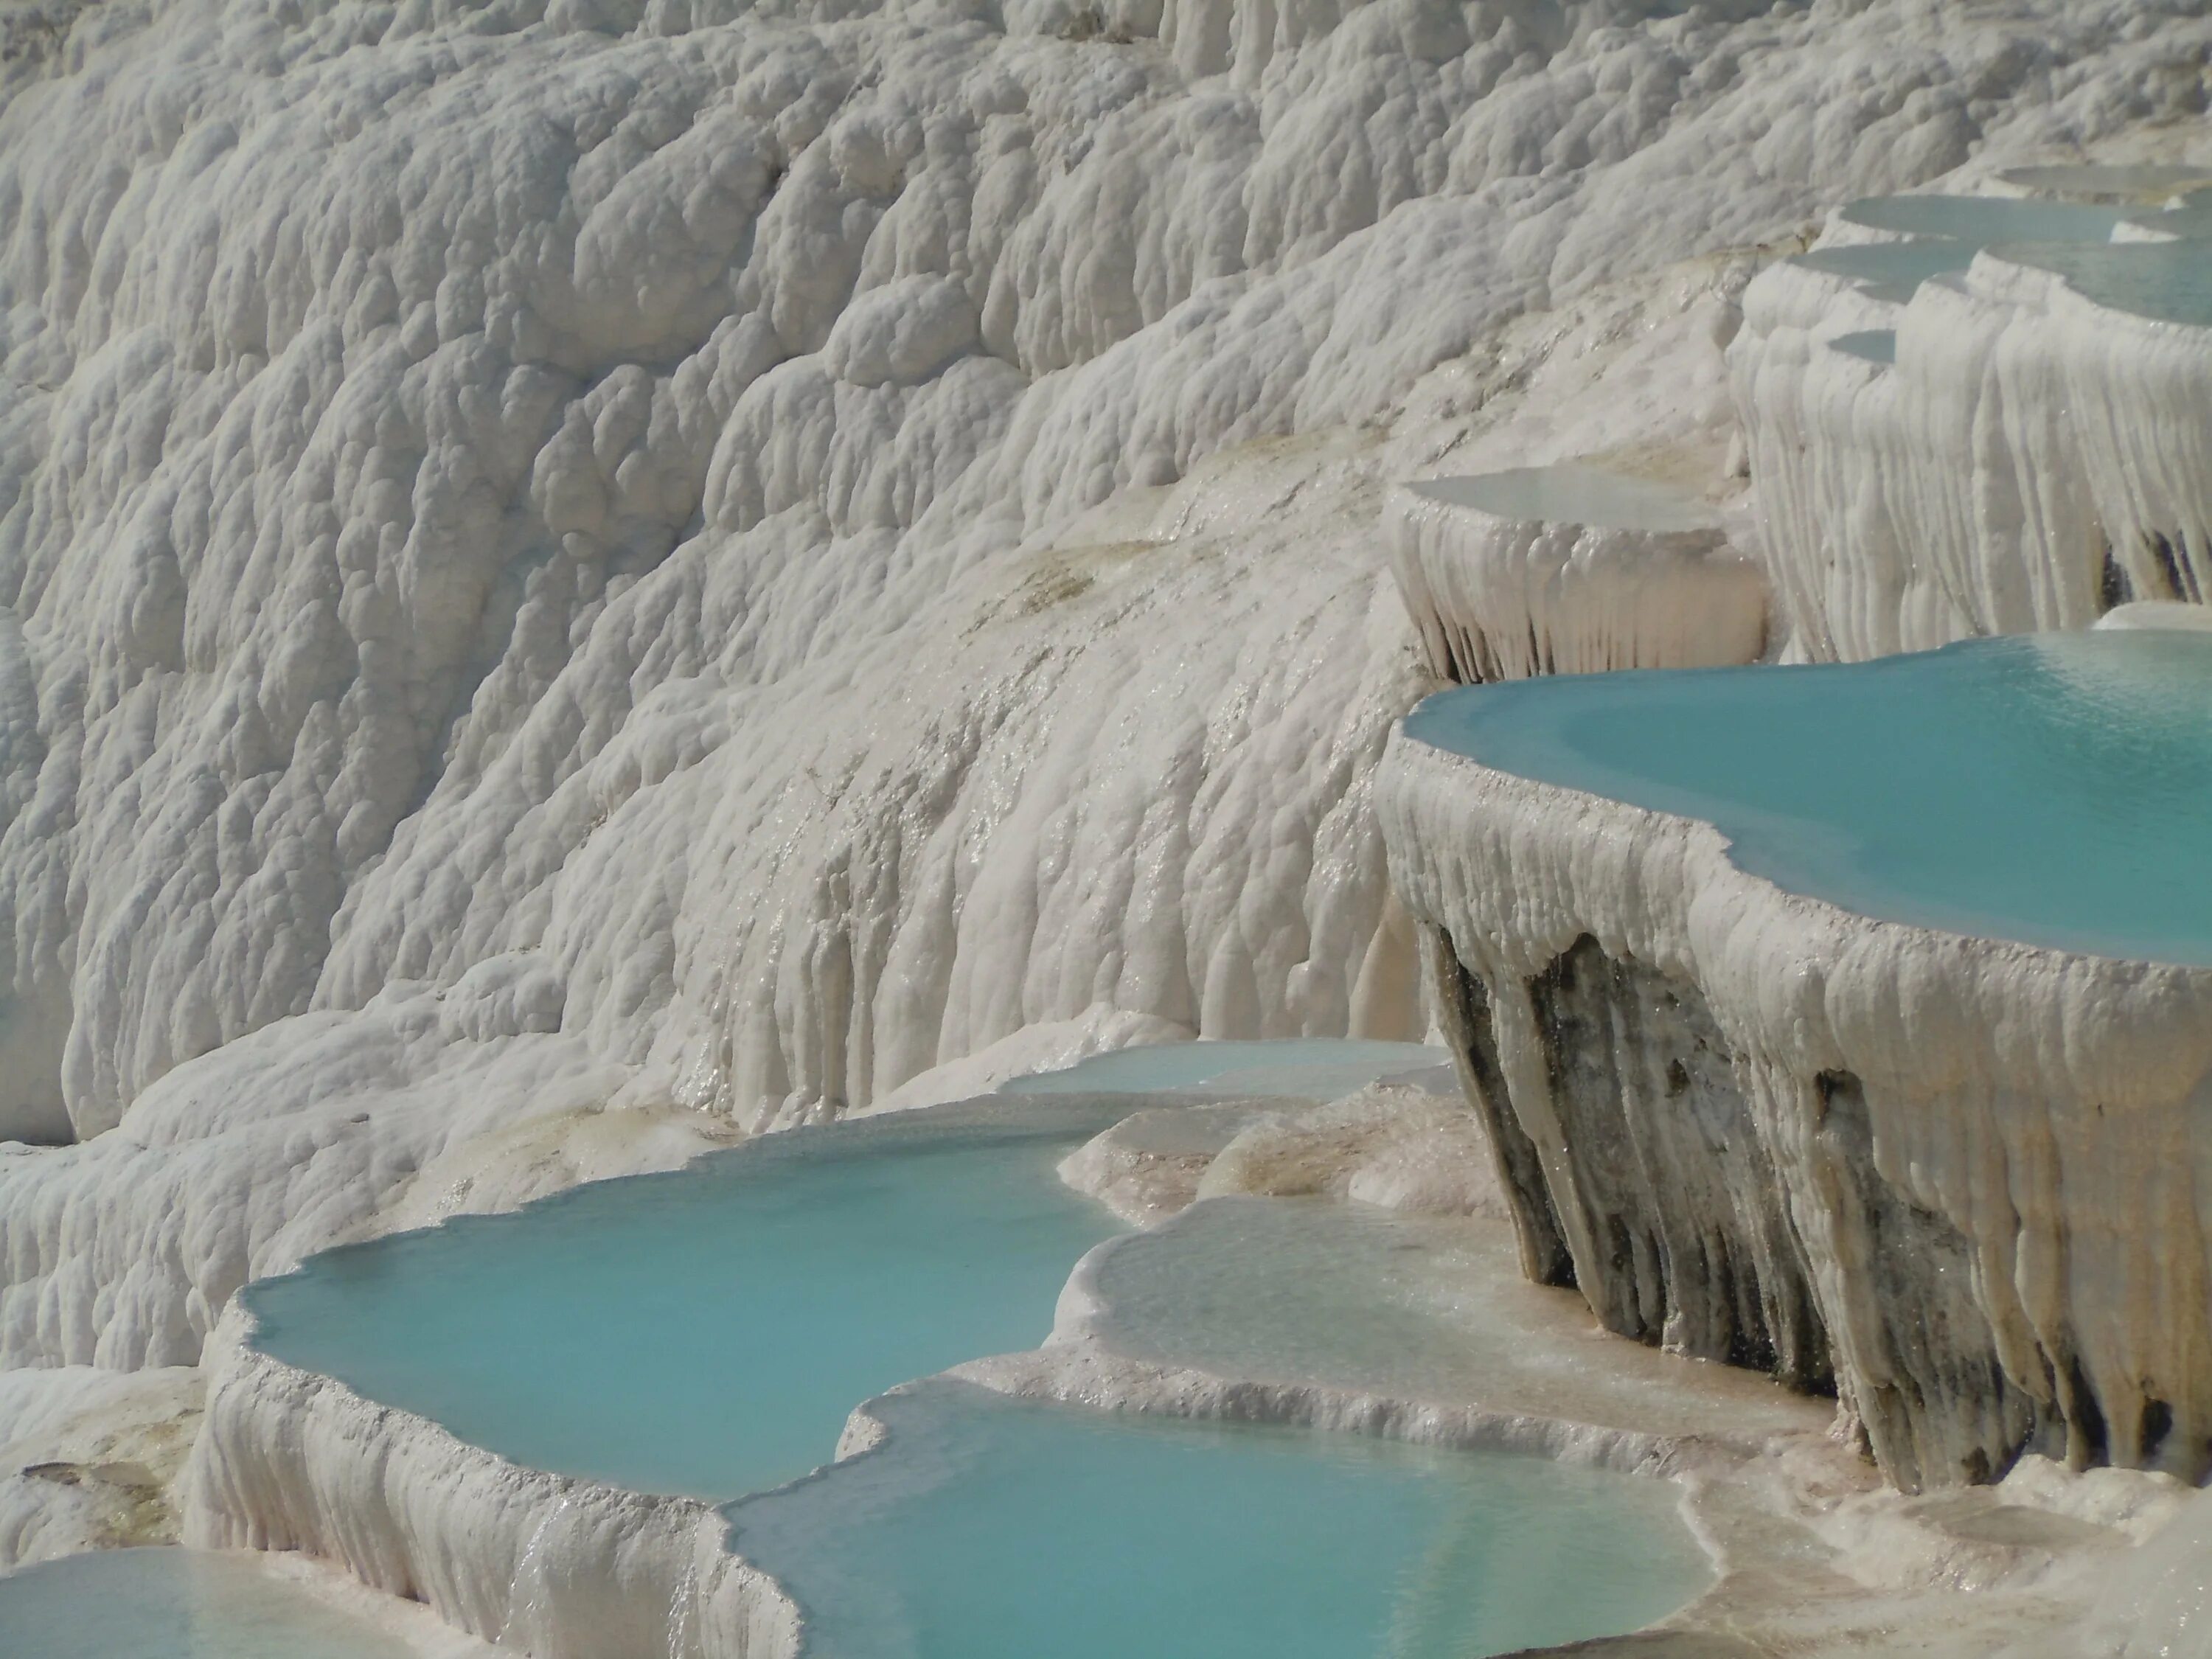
point(2028, 460)
point(676, 555)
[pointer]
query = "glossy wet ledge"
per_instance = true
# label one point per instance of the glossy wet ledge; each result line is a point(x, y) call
point(175, 1604)
point(2055, 789)
point(706, 1331)
point(1303, 1068)
point(994, 1528)
point(1405, 1306)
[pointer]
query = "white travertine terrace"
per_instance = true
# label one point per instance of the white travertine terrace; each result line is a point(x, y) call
point(2032, 455)
point(581, 578)
point(781, 688)
point(1569, 569)
point(557, 1567)
point(1957, 1177)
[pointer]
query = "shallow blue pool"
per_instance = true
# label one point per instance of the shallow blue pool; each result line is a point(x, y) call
point(2170, 281)
point(1304, 1068)
point(706, 1331)
point(175, 1604)
point(1986, 219)
point(1944, 233)
point(989, 1529)
point(2055, 789)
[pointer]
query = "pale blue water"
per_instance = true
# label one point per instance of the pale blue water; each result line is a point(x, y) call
point(1571, 494)
point(1948, 231)
point(1891, 270)
point(1982, 220)
point(1307, 1068)
point(1874, 345)
point(706, 1331)
point(2171, 282)
point(2055, 789)
point(174, 1604)
point(995, 1529)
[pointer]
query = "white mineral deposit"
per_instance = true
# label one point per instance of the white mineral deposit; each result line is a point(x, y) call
point(609, 598)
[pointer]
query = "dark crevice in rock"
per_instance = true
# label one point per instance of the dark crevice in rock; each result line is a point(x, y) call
point(2114, 587)
point(2168, 559)
point(1937, 1406)
point(2157, 1424)
point(1473, 1035)
point(1668, 1166)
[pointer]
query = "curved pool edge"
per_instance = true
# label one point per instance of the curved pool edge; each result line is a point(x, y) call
point(291, 1460)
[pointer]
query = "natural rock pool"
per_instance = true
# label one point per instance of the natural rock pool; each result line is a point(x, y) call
point(2045, 789)
point(706, 1332)
point(988, 1529)
point(175, 1604)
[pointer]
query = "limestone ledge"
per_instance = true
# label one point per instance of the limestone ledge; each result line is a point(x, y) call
point(1494, 596)
point(563, 1568)
point(1955, 1178)
point(2030, 459)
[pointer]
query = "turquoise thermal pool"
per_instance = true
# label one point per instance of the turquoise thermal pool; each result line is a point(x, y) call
point(1981, 219)
point(175, 1604)
point(1944, 233)
point(706, 1331)
point(2055, 789)
point(1302, 1068)
point(2093, 182)
point(1890, 270)
point(989, 1529)
point(1570, 493)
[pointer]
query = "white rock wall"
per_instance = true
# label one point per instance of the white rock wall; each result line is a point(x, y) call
point(542, 1564)
point(2030, 460)
point(1496, 598)
point(1997, 1266)
point(457, 461)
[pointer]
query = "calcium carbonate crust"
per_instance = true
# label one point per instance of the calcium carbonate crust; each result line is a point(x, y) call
point(1968, 1169)
point(1496, 598)
point(576, 479)
point(2029, 460)
point(569, 1568)
point(561, 1568)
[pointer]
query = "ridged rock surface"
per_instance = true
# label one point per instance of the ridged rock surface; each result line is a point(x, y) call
point(1957, 1178)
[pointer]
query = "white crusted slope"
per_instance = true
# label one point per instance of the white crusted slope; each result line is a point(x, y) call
point(501, 478)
